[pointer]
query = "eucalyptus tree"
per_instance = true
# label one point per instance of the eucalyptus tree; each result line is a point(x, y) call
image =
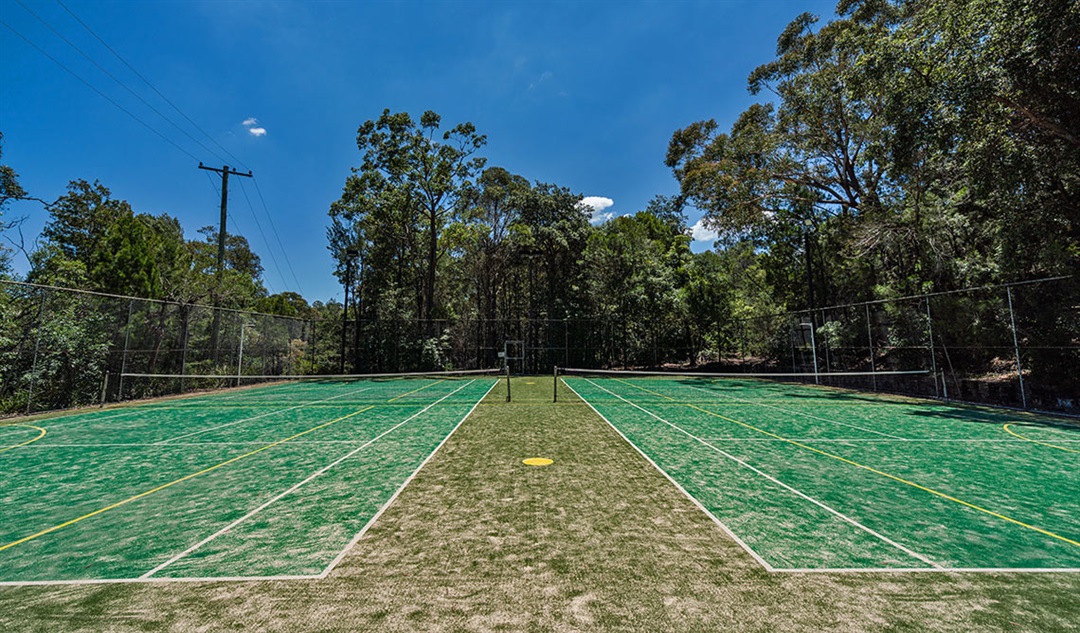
point(494, 212)
point(410, 169)
point(635, 268)
point(9, 190)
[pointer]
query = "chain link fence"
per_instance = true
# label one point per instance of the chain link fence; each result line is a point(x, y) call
point(1015, 345)
point(62, 348)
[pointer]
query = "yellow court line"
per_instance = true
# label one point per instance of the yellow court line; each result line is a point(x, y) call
point(867, 468)
point(413, 391)
point(28, 426)
point(176, 481)
point(1028, 439)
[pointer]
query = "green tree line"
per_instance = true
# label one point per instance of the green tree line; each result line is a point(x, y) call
point(905, 147)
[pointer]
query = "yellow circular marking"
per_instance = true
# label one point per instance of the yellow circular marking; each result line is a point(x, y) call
point(538, 461)
point(530, 382)
point(1028, 439)
point(41, 434)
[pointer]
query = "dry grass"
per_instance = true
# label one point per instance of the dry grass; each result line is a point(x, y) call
point(597, 541)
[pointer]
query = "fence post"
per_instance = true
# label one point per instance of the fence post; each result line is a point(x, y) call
point(791, 339)
point(37, 343)
point(186, 313)
point(933, 360)
point(1016, 347)
point(124, 354)
point(825, 331)
point(104, 388)
point(870, 339)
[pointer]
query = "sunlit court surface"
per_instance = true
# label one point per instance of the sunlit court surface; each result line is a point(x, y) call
point(272, 481)
point(630, 503)
point(817, 479)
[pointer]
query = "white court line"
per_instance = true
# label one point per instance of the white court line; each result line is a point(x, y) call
point(135, 408)
point(868, 440)
point(731, 534)
point(359, 535)
point(244, 443)
point(933, 570)
point(801, 494)
point(297, 486)
point(110, 581)
point(783, 570)
point(805, 415)
point(261, 415)
point(75, 418)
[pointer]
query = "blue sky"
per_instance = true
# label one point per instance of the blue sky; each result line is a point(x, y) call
point(582, 94)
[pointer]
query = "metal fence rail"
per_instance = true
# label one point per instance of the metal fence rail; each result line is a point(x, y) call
point(1015, 345)
point(61, 347)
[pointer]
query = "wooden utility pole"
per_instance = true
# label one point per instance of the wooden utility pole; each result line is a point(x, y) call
point(219, 271)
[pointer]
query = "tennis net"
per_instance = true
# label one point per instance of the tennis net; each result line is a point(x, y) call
point(918, 382)
point(254, 389)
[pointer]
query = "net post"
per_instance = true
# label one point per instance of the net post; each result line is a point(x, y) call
point(1016, 347)
point(104, 389)
point(555, 384)
point(508, 382)
point(870, 340)
point(933, 359)
point(37, 346)
point(124, 354)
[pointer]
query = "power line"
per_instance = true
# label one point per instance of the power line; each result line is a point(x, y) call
point(262, 200)
point(100, 93)
point(258, 225)
point(118, 81)
point(239, 230)
point(152, 87)
point(277, 237)
point(266, 210)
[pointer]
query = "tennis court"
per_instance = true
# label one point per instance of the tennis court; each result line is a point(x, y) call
point(274, 481)
point(810, 478)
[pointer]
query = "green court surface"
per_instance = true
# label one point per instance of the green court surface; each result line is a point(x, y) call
point(272, 481)
point(819, 479)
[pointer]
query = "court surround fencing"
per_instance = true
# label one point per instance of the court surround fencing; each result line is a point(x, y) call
point(62, 348)
point(1015, 345)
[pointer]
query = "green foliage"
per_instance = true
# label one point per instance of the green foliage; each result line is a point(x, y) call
point(9, 190)
point(932, 145)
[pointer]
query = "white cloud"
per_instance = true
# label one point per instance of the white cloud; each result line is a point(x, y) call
point(701, 233)
point(595, 205)
point(547, 75)
point(250, 121)
point(257, 131)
